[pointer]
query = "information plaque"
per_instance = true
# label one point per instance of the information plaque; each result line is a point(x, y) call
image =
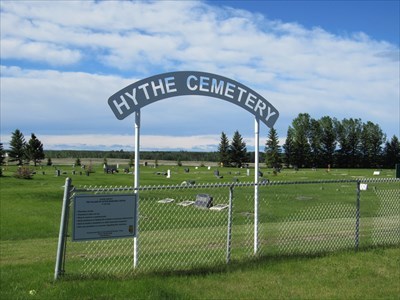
point(100, 217)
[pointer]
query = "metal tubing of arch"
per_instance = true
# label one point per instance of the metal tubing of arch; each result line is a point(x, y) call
point(184, 83)
point(256, 177)
point(136, 188)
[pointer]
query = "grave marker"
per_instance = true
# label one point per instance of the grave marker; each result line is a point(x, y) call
point(203, 201)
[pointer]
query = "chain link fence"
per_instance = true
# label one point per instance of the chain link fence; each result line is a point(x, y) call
point(176, 233)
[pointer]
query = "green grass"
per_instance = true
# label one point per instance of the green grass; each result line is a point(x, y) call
point(29, 223)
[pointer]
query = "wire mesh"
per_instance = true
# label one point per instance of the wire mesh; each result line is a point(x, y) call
point(293, 218)
point(98, 257)
point(386, 222)
point(307, 217)
point(177, 234)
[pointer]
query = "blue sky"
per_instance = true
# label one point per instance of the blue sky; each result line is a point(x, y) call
point(62, 60)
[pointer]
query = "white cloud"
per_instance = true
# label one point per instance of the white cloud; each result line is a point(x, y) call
point(39, 51)
point(296, 69)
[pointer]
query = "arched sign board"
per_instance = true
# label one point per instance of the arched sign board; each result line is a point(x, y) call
point(149, 90)
point(185, 83)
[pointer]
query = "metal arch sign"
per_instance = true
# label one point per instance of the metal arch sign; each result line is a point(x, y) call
point(182, 83)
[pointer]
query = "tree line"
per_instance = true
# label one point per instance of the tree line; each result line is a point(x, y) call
point(319, 143)
point(350, 143)
point(144, 155)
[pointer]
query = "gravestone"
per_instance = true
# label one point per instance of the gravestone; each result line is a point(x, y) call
point(216, 174)
point(203, 201)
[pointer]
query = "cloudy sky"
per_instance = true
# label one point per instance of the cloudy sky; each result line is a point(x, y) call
point(62, 60)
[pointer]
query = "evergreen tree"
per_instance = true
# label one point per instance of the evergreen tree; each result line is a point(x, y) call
point(17, 147)
point(34, 150)
point(2, 158)
point(237, 150)
point(272, 150)
point(289, 148)
point(223, 150)
point(392, 152)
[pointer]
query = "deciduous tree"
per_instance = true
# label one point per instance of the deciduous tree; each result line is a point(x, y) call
point(349, 139)
point(392, 152)
point(328, 140)
point(372, 140)
point(301, 146)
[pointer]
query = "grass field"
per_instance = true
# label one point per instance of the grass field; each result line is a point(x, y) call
point(30, 215)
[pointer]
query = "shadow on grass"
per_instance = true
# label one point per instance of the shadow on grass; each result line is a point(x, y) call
point(222, 268)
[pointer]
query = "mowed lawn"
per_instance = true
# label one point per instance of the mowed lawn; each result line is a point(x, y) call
point(30, 216)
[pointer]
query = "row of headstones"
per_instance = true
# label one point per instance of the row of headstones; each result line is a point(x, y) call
point(59, 172)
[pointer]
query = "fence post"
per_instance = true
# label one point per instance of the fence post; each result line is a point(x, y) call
point(60, 259)
point(357, 237)
point(229, 234)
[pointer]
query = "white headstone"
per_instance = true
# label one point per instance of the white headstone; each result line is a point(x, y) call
point(168, 173)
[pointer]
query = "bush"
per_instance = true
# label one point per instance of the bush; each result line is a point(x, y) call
point(23, 173)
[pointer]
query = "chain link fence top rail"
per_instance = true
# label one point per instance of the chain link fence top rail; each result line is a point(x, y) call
point(294, 218)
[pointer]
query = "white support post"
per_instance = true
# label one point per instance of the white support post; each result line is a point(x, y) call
point(136, 188)
point(256, 176)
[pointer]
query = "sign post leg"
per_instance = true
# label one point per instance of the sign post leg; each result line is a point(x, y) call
point(256, 176)
point(63, 230)
point(136, 188)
